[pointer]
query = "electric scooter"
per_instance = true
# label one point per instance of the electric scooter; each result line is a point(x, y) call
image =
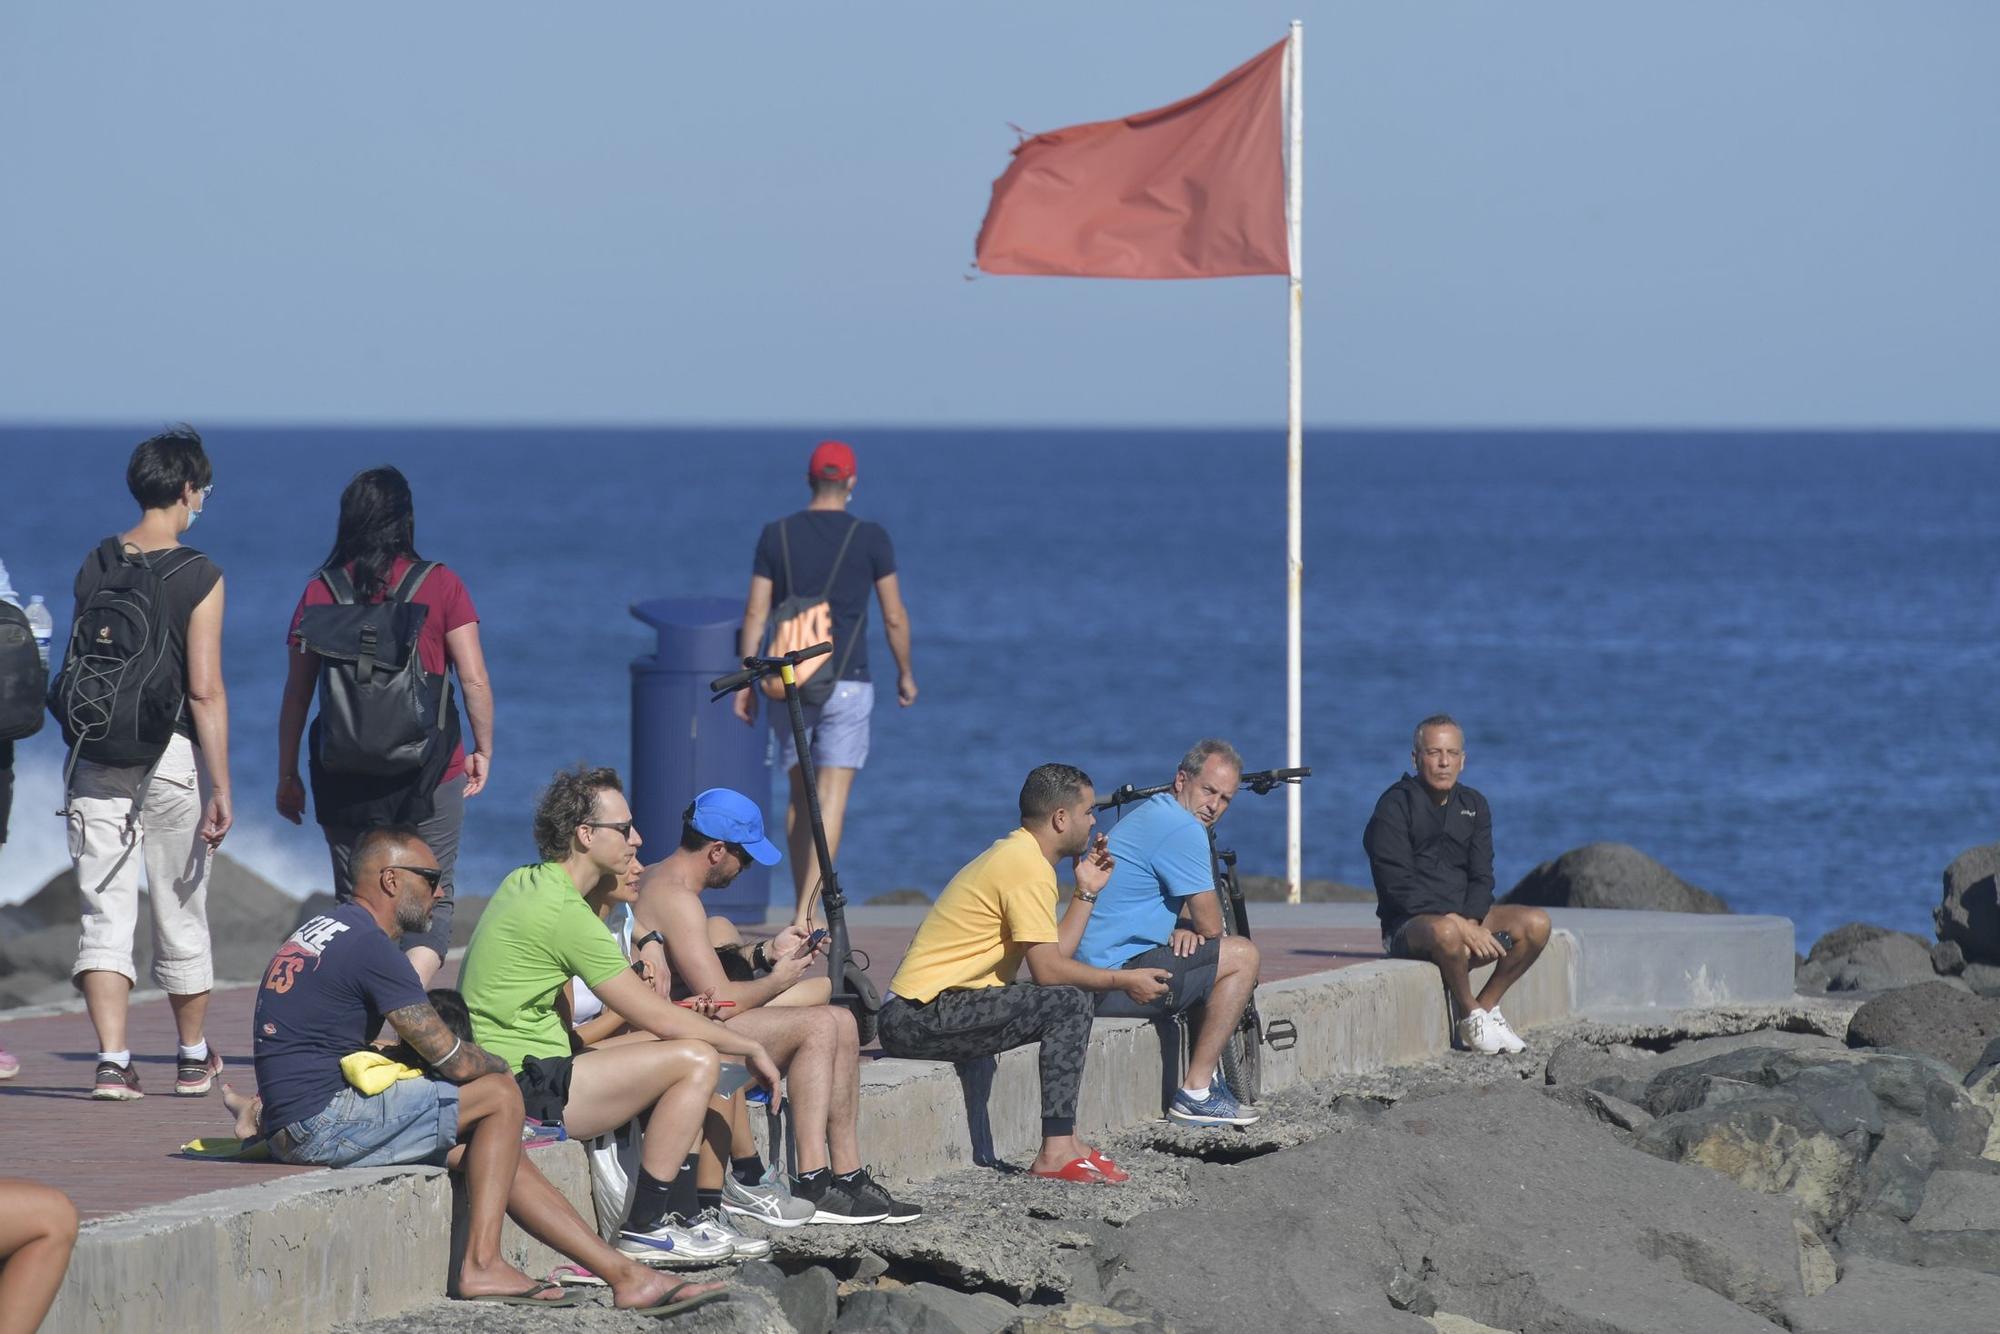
point(851, 984)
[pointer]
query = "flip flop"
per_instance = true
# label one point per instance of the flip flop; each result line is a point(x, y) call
point(668, 1306)
point(1113, 1173)
point(576, 1276)
point(530, 1297)
point(1079, 1170)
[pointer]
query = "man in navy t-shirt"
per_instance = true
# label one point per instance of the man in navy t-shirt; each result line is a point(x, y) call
point(1160, 910)
point(824, 553)
point(326, 992)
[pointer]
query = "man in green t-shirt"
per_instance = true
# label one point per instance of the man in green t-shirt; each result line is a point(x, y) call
point(536, 934)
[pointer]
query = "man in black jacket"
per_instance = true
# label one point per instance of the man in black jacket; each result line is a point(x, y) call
point(1430, 849)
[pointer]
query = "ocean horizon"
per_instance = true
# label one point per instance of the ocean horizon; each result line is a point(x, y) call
point(1755, 656)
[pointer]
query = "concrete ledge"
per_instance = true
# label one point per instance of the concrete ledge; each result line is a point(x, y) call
point(311, 1251)
point(299, 1253)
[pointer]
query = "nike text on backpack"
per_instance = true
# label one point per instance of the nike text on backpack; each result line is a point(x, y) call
point(380, 712)
point(23, 679)
point(119, 694)
point(800, 622)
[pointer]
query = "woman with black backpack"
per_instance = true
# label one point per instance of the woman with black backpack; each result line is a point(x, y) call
point(379, 631)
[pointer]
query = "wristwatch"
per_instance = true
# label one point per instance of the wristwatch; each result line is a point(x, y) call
point(757, 960)
point(640, 942)
point(1087, 898)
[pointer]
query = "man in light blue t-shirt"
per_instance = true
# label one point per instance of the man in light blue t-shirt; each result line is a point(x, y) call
point(1160, 910)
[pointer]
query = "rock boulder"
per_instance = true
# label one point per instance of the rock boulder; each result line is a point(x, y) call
point(1861, 957)
point(1969, 912)
point(1611, 875)
point(1935, 1018)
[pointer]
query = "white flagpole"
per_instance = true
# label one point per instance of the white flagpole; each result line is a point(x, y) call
point(1295, 174)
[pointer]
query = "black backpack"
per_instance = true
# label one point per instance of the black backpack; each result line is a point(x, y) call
point(23, 679)
point(119, 692)
point(380, 713)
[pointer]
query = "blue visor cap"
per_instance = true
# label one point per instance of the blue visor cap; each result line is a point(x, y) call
point(732, 817)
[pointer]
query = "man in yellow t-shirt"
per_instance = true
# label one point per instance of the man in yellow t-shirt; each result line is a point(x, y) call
point(955, 997)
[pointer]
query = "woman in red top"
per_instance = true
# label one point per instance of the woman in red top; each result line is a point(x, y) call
point(376, 545)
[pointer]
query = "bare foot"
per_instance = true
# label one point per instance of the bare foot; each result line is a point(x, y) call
point(646, 1286)
point(247, 1111)
point(496, 1278)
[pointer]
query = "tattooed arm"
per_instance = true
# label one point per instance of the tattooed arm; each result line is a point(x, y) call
point(450, 1059)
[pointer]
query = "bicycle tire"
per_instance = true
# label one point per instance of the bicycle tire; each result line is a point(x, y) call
point(1243, 1059)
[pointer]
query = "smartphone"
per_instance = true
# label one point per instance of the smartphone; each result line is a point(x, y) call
point(814, 940)
point(1505, 941)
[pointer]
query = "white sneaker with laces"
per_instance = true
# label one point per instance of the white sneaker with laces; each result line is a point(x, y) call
point(677, 1243)
point(742, 1246)
point(1478, 1034)
point(1510, 1041)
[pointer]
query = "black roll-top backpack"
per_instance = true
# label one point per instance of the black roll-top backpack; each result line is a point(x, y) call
point(119, 692)
point(23, 679)
point(380, 712)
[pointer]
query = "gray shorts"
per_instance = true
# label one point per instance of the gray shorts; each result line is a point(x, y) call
point(440, 834)
point(838, 736)
point(1193, 978)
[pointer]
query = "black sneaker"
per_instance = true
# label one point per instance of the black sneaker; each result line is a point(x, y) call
point(867, 1191)
point(116, 1083)
point(194, 1078)
point(833, 1200)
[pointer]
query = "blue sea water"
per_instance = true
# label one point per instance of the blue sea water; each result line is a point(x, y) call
point(1762, 659)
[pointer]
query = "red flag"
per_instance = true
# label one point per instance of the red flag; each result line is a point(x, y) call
point(1192, 190)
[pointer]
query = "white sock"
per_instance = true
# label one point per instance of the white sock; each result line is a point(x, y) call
point(116, 1057)
point(198, 1052)
point(1201, 1092)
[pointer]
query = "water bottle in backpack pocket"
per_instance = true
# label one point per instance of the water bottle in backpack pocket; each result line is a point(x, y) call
point(380, 712)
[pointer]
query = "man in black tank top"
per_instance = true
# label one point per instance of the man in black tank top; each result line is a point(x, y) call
point(183, 799)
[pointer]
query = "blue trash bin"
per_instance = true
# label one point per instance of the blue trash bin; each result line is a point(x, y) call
point(682, 744)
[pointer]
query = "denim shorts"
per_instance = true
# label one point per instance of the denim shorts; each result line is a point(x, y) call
point(411, 1121)
point(838, 737)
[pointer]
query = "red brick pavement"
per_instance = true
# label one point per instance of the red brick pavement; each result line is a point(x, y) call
point(114, 1157)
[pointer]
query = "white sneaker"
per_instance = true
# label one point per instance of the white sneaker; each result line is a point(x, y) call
point(742, 1246)
point(768, 1202)
point(1476, 1031)
point(1510, 1041)
point(677, 1243)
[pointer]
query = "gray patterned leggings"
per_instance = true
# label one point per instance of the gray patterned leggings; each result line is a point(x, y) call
point(968, 1025)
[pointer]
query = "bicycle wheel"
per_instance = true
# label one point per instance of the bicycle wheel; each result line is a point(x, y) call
point(1243, 1058)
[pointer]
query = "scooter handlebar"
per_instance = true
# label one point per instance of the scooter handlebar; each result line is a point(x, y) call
point(735, 681)
point(757, 668)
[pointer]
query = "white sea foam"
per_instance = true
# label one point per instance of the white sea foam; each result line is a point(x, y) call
point(294, 860)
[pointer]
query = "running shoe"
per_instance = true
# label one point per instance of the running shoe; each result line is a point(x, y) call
point(766, 1201)
point(10, 1065)
point(116, 1083)
point(866, 1191)
point(1510, 1041)
point(1478, 1034)
point(742, 1246)
point(194, 1078)
point(833, 1201)
point(675, 1244)
point(1219, 1108)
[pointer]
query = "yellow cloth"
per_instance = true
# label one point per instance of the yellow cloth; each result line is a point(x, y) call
point(371, 1071)
point(980, 928)
point(227, 1149)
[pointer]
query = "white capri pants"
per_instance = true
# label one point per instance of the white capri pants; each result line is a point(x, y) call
point(176, 861)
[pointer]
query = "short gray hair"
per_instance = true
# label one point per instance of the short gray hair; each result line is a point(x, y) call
point(1436, 720)
point(1201, 751)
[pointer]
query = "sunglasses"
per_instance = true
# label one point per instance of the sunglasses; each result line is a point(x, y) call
point(624, 827)
point(431, 874)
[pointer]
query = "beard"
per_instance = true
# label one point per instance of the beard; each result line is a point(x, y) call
point(413, 915)
point(717, 878)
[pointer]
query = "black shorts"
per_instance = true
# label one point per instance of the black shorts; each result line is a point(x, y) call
point(544, 1084)
point(1396, 944)
point(1193, 978)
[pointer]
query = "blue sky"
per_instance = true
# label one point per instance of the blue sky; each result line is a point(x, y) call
point(1528, 214)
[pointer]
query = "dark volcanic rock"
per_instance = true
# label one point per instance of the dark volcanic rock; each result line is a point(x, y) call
point(1935, 1018)
point(1948, 958)
point(1611, 875)
point(1861, 957)
point(1884, 1238)
point(1970, 910)
point(1508, 1210)
point(810, 1300)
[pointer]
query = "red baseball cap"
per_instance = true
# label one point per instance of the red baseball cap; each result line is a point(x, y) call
point(832, 461)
